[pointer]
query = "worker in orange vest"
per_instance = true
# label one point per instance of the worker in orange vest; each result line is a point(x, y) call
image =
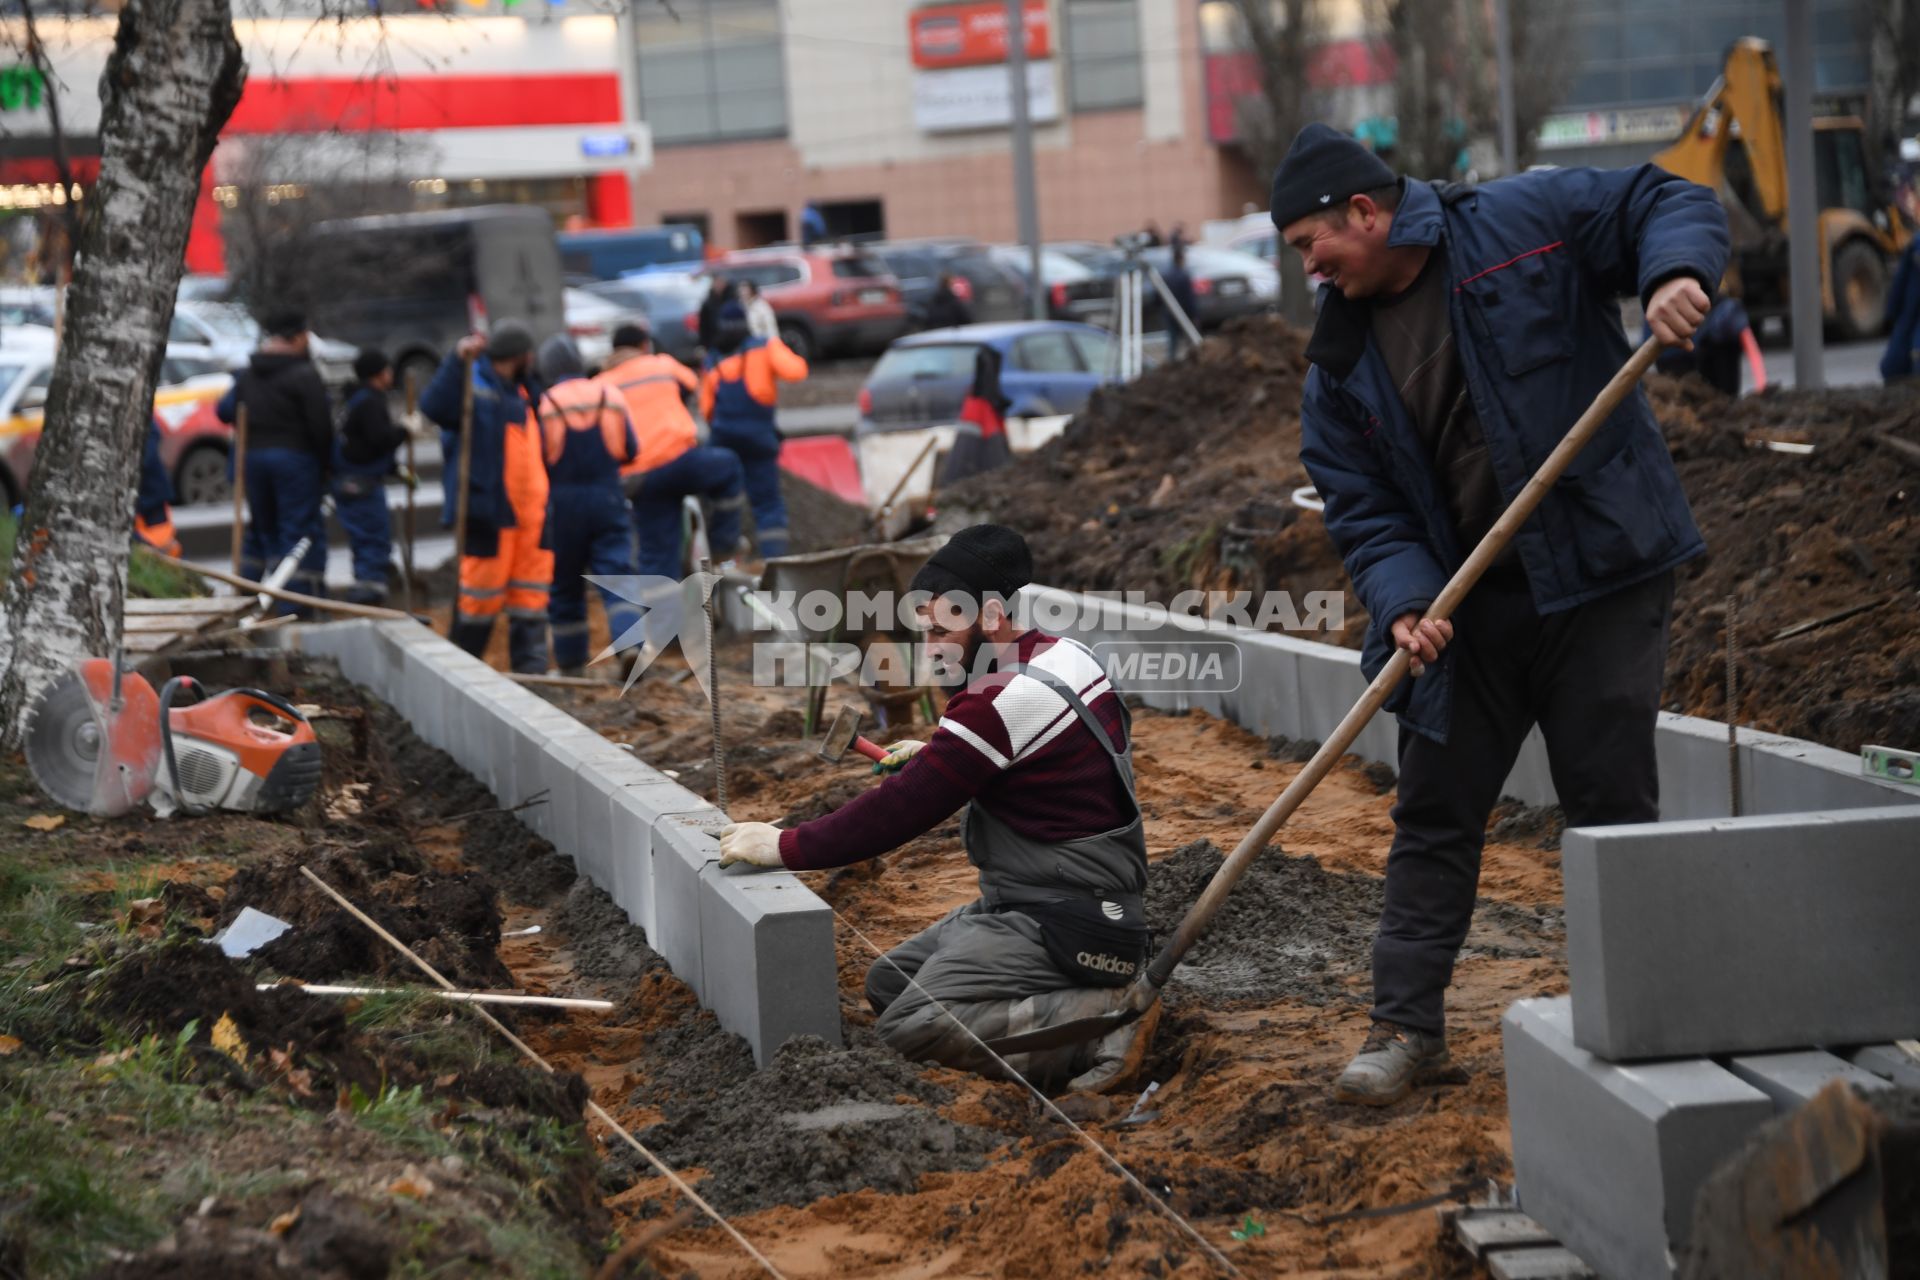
point(671, 463)
point(737, 397)
point(587, 438)
point(504, 564)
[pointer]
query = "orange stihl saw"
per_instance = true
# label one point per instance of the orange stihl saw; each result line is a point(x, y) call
point(103, 741)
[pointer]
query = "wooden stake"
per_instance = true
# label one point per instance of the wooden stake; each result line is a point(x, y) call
point(413, 482)
point(464, 475)
point(464, 997)
point(291, 597)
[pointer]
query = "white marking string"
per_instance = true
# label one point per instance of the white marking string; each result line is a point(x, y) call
point(599, 1112)
point(1125, 1173)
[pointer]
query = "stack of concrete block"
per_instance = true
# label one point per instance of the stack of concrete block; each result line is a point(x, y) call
point(756, 948)
point(1709, 961)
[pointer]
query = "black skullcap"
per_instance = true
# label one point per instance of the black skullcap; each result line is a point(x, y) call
point(509, 339)
point(284, 322)
point(370, 364)
point(1323, 169)
point(978, 561)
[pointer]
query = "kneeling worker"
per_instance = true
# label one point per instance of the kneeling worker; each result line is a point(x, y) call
point(1038, 742)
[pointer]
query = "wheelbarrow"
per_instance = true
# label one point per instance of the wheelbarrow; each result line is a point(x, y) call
point(871, 569)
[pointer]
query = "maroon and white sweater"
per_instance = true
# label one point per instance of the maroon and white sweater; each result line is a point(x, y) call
point(1007, 740)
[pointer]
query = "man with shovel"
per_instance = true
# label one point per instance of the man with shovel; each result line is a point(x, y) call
point(1462, 332)
point(1036, 743)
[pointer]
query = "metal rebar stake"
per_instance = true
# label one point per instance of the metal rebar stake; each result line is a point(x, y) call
point(707, 582)
point(1733, 732)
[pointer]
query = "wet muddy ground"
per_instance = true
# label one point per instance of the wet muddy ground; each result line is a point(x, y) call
point(853, 1163)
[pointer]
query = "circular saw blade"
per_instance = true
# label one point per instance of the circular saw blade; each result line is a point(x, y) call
point(63, 743)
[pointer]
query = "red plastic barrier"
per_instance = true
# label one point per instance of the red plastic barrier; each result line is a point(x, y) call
point(826, 462)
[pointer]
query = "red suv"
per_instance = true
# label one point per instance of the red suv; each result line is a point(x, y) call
point(828, 300)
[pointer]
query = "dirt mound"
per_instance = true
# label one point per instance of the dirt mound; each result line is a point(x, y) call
point(1177, 481)
point(1796, 540)
point(1292, 928)
point(451, 920)
point(1181, 480)
point(818, 520)
point(165, 990)
point(820, 1121)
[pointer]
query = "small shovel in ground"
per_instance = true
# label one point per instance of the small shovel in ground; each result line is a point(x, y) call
point(1145, 991)
point(844, 732)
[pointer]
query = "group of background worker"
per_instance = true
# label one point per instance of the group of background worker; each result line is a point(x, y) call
point(567, 473)
point(571, 475)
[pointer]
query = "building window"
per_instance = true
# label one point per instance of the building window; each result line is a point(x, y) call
point(711, 70)
point(1103, 54)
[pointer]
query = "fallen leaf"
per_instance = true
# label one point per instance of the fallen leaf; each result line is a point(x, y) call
point(45, 821)
point(284, 1223)
point(412, 1183)
point(226, 1038)
point(9, 1045)
point(113, 1059)
point(439, 1082)
point(145, 911)
point(218, 892)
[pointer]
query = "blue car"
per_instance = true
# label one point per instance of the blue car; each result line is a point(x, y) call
point(1047, 368)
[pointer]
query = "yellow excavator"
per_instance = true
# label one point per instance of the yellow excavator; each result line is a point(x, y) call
point(1735, 142)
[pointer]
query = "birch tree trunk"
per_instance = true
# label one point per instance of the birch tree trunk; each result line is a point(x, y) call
point(171, 82)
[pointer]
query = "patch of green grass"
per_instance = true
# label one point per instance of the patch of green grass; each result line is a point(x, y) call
point(151, 578)
point(65, 1161)
point(1180, 559)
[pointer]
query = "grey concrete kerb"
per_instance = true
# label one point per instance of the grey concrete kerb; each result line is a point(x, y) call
point(758, 953)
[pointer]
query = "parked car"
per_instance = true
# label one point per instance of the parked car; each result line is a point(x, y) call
point(230, 335)
point(610, 254)
point(413, 284)
point(1226, 283)
point(668, 302)
point(1260, 242)
point(591, 320)
point(1048, 368)
point(988, 287)
point(828, 299)
point(1074, 291)
point(193, 442)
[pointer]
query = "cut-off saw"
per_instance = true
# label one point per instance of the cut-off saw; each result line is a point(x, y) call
point(103, 741)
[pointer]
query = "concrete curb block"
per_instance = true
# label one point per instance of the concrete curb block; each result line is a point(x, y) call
point(1737, 935)
point(757, 951)
point(1302, 688)
point(1609, 1159)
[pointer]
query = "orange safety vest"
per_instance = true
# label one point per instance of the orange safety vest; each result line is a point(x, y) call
point(525, 474)
point(652, 388)
point(760, 367)
point(581, 404)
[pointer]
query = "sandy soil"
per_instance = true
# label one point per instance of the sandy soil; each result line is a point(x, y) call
point(1243, 1126)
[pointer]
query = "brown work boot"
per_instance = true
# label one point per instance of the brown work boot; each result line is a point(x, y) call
point(1389, 1063)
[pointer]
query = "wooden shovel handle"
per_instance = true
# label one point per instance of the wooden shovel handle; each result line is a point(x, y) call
point(1201, 914)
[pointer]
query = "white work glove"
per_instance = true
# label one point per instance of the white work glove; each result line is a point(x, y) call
point(898, 753)
point(755, 843)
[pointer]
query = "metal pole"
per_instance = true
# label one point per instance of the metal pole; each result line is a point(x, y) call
point(1023, 187)
point(239, 483)
point(1803, 213)
point(1503, 47)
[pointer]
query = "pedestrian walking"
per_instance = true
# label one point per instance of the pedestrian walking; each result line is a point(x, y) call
point(946, 309)
point(761, 320)
point(364, 455)
point(289, 452)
